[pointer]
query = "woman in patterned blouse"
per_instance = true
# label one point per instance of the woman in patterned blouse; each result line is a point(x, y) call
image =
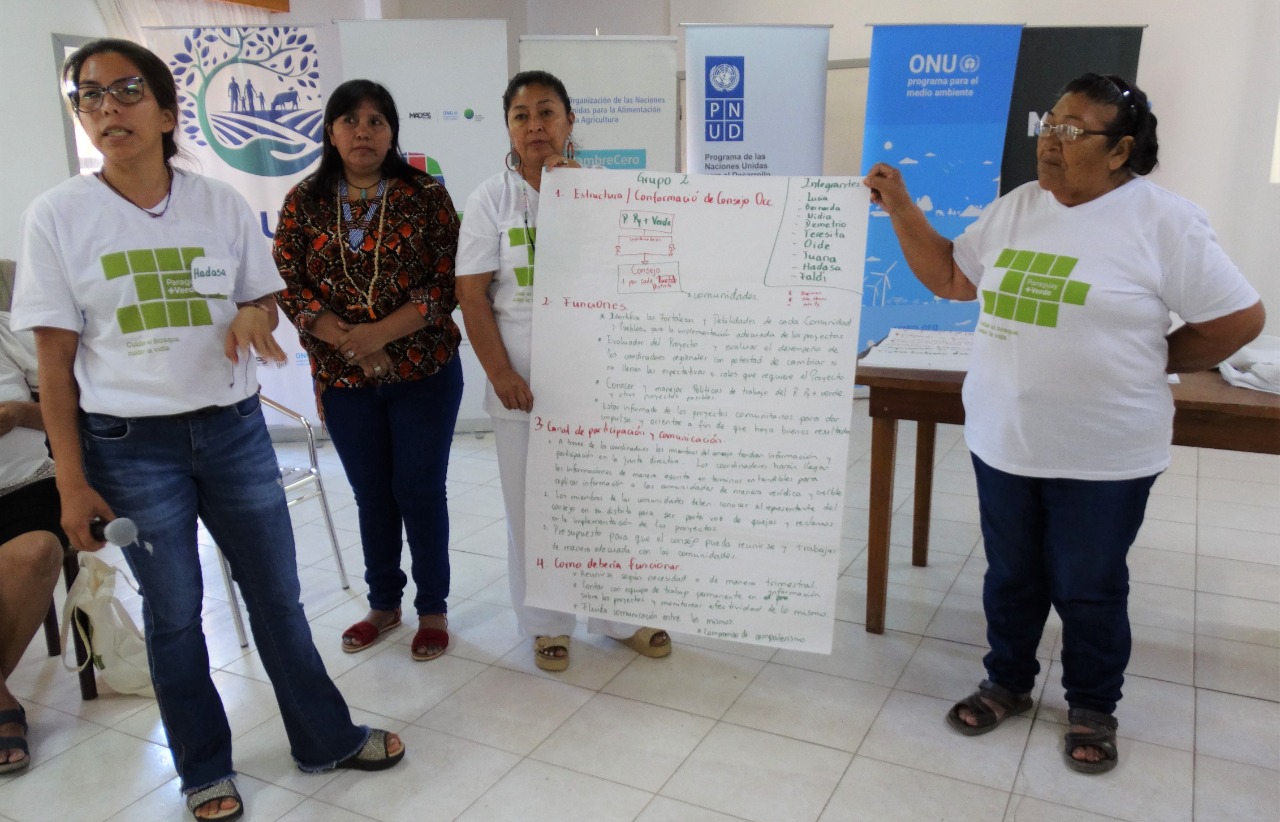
point(366, 247)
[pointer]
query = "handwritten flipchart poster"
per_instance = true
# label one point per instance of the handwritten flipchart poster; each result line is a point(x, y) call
point(693, 350)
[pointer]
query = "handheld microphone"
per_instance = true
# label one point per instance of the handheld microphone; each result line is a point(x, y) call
point(121, 531)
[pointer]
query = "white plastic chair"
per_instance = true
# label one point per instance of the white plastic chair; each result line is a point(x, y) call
point(305, 478)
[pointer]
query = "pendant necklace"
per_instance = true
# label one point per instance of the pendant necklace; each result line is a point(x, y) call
point(528, 235)
point(155, 215)
point(355, 237)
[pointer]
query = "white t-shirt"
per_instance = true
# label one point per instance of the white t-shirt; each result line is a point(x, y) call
point(151, 341)
point(22, 451)
point(1067, 376)
point(494, 237)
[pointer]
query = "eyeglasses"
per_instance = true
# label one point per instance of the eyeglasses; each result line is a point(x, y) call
point(1065, 132)
point(127, 90)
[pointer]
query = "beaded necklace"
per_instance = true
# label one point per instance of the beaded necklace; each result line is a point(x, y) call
point(355, 237)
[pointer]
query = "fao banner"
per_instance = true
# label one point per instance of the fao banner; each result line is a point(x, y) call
point(623, 91)
point(937, 106)
point(756, 99)
point(252, 115)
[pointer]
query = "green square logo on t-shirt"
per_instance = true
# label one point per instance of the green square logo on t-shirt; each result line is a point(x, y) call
point(161, 285)
point(1034, 287)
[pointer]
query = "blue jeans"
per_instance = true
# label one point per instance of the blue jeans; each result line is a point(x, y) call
point(163, 472)
point(394, 443)
point(1059, 542)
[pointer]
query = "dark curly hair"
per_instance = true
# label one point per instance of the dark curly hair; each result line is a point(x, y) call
point(1133, 116)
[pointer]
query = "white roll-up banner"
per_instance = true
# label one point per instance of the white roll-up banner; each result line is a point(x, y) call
point(623, 91)
point(447, 78)
point(756, 99)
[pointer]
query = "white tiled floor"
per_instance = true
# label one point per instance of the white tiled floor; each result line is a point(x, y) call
point(720, 731)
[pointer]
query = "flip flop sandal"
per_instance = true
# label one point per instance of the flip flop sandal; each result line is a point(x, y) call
point(1101, 735)
point(365, 634)
point(373, 756)
point(544, 652)
point(222, 790)
point(434, 638)
point(641, 643)
point(986, 717)
point(17, 716)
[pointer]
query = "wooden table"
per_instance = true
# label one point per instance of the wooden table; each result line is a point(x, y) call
point(1208, 413)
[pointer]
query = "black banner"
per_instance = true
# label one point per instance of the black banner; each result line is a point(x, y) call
point(1047, 59)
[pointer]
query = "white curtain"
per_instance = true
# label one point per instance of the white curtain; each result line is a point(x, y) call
point(127, 18)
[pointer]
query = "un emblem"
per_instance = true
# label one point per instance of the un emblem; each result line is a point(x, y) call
point(724, 77)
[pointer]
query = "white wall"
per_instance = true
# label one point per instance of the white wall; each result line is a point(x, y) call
point(1213, 76)
point(33, 154)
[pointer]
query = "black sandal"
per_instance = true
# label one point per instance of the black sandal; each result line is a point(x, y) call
point(15, 716)
point(1101, 736)
point(986, 718)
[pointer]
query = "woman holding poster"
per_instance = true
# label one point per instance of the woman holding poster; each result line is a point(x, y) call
point(495, 291)
point(366, 247)
point(1068, 414)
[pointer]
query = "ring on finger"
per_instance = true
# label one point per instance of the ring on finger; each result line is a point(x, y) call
point(351, 353)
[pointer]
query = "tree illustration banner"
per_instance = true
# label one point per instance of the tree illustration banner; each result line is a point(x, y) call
point(937, 107)
point(251, 114)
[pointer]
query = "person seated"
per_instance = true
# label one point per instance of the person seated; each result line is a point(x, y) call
point(30, 538)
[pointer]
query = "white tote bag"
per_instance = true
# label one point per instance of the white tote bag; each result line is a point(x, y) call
point(115, 645)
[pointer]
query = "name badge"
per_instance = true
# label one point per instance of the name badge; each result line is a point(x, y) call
point(211, 276)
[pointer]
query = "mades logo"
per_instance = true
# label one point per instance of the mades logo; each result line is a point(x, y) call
point(725, 93)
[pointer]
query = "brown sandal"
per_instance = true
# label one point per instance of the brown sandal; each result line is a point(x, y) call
point(544, 652)
point(642, 643)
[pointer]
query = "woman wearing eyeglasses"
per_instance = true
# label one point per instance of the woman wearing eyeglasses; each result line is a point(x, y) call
point(149, 288)
point(1068, 414)
point(366, 247)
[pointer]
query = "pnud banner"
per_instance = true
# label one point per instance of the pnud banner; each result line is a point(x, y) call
point(756, 99)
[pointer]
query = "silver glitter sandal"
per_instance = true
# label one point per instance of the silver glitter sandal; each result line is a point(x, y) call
point(222, 790)
point(373, 756)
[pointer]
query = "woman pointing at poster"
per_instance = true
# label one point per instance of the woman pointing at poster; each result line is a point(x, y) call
point(1068, 414)
point(495, 291)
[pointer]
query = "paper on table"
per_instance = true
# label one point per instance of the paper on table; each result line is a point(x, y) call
point(914, 348)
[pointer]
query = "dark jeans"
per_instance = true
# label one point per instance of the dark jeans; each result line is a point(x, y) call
point(1059, 542)
point(394, 442)
point(162, 472)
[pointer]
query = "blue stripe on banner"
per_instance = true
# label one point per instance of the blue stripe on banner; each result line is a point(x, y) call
point(937, 107)
point(620, 158)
